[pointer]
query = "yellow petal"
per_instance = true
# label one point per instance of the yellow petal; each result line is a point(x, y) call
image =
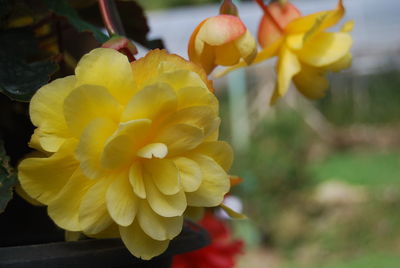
point(46, 111)
point(120, 149)
point(226, 54)
point(158, 62)
point(140, 244)
point(316, 22)
point(348, 26)
point(215, 184)
point(180, 138)
point(247, 47)
point(153, 150)
point(342, 63)
point(164, 205)
point(107, 68)
point(86, 103)
point(232, 213)
point(325, 48)
point(136, 180)
point(93, 214)
point(111, 231)
point(181, 79)
point(151, 103)
point(220, 151)
point(198, 116)
point(43, 178)
point(64, 209)
point(196, 96)
point(311, 82)
point(287, 67)
point(91, 145)
point(295, 41)
point(263, 55)
point(157, 227)
point(189, 173)
point(122, 203)
point(164, 174)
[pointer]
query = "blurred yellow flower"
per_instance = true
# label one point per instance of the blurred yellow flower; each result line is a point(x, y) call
point(306, 52)
point(221, 40)
point(127, 148)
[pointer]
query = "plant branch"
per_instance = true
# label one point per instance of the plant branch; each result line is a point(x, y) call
point(269, 15)
point(111, 18)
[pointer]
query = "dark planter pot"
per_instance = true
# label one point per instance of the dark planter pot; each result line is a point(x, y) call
point(25, 250)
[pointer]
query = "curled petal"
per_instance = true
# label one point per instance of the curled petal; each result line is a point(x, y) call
point(311, 82)
point(43, 178)
point(140, 244)
point(122, 203)
point(164, 174)
point(189, 173)
point(157, 227)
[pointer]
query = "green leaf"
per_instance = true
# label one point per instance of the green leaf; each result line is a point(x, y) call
point(62, 8)
point(8, 179)
point(20, 79)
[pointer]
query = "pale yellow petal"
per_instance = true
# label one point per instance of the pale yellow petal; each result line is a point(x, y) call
point(311, 82)
point(136, 180)
point(153, 150)
point(140, 244)
point(247, 47)
point(325, 48)
point(196, 96)
point(263, 55)
point(181, 79)
point(343, 63)
point(120, 149)
point(91, 145)
point(46, 112)
point(348, 26)
point(156, 226)
point(122, 203)
point(287, 67)
point(180, 138)
point(64, 209)
point(189, 173)
point(107, 68)
point(93, 214)
point(317, 21)
point(198, 116)
point(43, 178)
point(86, 103)
point(151, 102)
point(215, 184)
point(220, 151)
point(164, 174)
point(164, 205)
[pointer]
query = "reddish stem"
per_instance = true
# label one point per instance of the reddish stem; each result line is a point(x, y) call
point(268, 14)
point(111, 18)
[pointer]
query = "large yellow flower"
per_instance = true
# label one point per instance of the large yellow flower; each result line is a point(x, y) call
point(306, 52)
point(127, 148)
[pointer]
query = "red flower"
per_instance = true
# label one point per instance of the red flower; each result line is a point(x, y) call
point(219, 254)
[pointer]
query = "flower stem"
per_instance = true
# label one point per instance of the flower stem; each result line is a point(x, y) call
point(111, 18)
point(269, 15)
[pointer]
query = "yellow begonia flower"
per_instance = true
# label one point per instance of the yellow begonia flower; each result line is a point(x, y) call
point(306, 52)
point(221, 40)
point(127, 148)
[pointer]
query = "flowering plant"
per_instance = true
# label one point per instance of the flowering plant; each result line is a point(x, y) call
point(126, 147)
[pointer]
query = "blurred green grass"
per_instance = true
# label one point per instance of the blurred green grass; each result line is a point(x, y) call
point(370, 168)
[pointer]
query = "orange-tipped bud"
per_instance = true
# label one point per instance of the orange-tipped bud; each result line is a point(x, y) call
point(269, 31)
point(123, 45)
point(221, 40)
